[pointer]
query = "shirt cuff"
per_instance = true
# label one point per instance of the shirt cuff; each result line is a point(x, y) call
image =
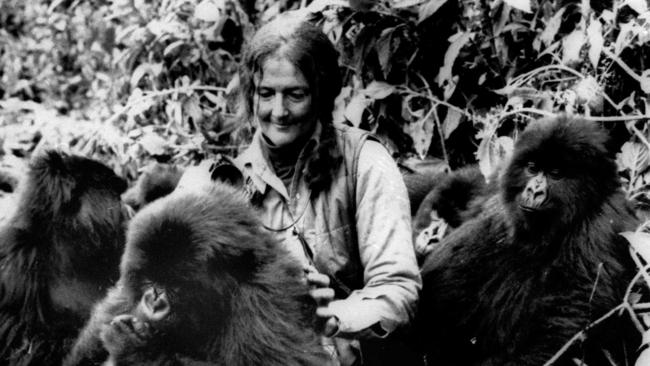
point(358, 318)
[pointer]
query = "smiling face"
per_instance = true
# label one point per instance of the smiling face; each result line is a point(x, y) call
point(283, 102)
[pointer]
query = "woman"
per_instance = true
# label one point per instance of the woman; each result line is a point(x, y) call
point(333, 195)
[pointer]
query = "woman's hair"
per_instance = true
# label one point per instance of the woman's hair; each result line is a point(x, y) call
point(310, 51)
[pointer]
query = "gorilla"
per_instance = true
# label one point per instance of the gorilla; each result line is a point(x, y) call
point(201, 282)
point(59, 254)
point(512, 284)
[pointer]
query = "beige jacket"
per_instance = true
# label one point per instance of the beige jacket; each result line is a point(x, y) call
point(358, 231)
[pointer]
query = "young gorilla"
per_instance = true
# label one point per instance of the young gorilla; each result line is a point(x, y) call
point(59, 253)
point(512, 286)
point(203, 283)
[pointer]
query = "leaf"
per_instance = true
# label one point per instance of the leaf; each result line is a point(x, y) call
point(421, 131)
point(153, 144)
point(192, 109)
point(640, 6)
point(645, 81)
point(429, 8)
point(384, 52)
point(633, 157)
point(451, 122)
point(553, 25)
point(523, 5)
point(628, 31)
point(354, 109)
point(400, 4)
point(378, 90)
point(208, 11)
point(595, 38)
point(173, 48)
point(445, 78)
point(138, 74)
point(319, 5)
point(338, 114)
point(571, 46)
point(492, 152)
point(640, 242)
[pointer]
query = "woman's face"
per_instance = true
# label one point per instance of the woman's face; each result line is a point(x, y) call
point(283, 102)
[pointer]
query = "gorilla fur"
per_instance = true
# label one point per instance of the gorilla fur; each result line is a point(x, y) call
point(59, 253)
point(235, 296)
point(157, 180)
point(512, 285)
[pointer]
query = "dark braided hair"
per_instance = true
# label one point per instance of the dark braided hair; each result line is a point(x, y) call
point(310, 51)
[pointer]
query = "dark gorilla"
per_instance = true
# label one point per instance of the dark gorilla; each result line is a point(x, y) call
point(157, 180)
point(512, 286)
point(454, 198)
point(59, 253)
point(203, 283)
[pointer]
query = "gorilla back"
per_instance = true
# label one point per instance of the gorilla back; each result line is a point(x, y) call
point(203, 282)
point(59, 253)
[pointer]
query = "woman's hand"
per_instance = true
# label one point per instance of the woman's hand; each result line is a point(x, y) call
point(323, 295)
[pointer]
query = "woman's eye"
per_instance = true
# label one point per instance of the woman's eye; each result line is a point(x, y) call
point(265, 93)
point(297, 95)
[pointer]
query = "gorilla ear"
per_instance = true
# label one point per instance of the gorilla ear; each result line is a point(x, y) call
point(54, 178)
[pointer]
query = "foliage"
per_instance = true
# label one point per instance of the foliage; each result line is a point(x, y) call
point(156, 70)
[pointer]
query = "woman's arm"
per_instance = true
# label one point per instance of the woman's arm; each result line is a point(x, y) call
point(391, 275)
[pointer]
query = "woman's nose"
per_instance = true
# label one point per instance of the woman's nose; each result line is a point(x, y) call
point(279, 109)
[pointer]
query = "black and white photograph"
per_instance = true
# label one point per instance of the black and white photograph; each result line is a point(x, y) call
point(325, 182)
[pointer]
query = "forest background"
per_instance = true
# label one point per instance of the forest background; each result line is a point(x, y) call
point(441, 82)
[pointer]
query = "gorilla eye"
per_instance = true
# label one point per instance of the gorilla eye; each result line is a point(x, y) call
point(555, 173)
point(532, 168)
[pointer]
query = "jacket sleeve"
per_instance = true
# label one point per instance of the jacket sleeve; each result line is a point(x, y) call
point(391, 276)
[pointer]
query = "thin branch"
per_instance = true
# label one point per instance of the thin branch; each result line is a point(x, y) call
point(582, 334)
point(623, 65)
point(616, 118)
point(159, 93)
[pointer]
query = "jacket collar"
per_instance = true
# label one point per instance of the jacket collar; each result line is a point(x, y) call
point(254, 161)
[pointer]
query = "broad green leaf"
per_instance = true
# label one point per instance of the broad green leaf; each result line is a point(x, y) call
point(208, 11)
point(523, 5)
point(571, 46)
point(553, 25)
point(595, 38)
point(429, 8)
point(378, 90)
point(451, 122)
